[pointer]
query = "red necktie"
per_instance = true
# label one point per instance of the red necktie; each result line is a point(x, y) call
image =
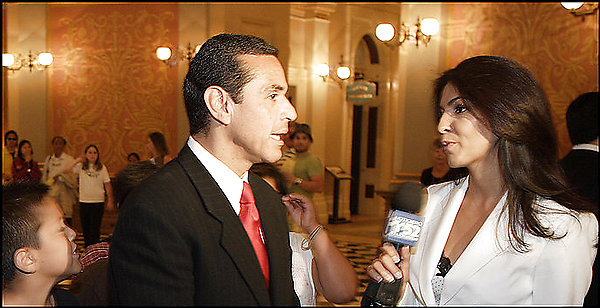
point(251, 221)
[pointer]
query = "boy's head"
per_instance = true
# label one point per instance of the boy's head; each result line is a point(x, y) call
point(35, 240)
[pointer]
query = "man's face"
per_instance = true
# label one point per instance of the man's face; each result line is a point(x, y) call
point(58, 146)
point(301, 142)
point(261, 119)
point(11, 141)
point(57, 254)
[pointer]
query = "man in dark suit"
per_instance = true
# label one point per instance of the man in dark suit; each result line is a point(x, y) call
point(179, 240)
point(581, 164)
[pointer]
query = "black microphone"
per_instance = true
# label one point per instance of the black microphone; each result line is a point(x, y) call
point(402, 227)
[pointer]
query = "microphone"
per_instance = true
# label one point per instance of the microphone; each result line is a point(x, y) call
point(402, 227)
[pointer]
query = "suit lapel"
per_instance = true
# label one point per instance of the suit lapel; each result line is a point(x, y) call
point(480, 251)
point(274, 225)
point(440, 227)
point(234, 239)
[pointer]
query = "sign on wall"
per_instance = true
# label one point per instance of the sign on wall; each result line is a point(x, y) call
point(360, 92)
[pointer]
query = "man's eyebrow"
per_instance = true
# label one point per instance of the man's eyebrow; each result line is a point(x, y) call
point(274, 87)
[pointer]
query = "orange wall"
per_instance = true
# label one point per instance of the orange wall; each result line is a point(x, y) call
point(559, 49)
point(106, 86)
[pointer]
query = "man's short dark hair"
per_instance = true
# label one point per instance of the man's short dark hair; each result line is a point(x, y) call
point(20, 223)
point(582, 118)
point(218, 63)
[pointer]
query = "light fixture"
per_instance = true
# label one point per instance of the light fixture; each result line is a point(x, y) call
point(342, 72)
point(166, 54)
point(423, 31)
point(15, 63)
point(581, 9)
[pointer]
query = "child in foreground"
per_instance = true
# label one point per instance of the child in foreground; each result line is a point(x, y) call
point(38, 248)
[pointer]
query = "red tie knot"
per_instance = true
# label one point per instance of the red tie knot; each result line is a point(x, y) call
point(247, 196)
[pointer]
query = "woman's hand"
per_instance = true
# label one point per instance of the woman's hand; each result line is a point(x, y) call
point(302, 211)
point(391, 264)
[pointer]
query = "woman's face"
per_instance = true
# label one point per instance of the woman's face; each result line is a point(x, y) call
point(92, 155)
point(26, 149)
point(466, 140)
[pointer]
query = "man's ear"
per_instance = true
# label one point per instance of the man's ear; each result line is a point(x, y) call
point(219, 105)
point(25, 260)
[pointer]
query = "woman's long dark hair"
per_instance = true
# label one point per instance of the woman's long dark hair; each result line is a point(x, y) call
point(507, 98)
point(86, 164)
point(160, 144)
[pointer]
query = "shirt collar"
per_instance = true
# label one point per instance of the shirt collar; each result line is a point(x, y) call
point(586, 146)
point(231, 185)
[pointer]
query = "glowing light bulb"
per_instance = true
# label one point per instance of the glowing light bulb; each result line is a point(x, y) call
point(385, 32)
point(163, 53)
point(430, 26)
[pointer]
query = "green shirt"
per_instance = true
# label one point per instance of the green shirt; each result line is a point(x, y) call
point(307, 165)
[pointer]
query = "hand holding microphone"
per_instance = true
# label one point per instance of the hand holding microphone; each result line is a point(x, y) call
point(401, 230)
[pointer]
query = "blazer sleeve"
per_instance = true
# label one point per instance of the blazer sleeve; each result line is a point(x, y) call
point(150, 263)
point(563, 273)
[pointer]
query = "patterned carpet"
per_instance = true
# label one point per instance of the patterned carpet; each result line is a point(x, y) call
point(360, 254)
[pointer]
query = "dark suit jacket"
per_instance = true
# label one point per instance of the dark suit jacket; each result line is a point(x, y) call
point(581, 169)
point(178, 242)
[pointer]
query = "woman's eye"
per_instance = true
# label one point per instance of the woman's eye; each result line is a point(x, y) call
point(273, 96)
point(460, 108)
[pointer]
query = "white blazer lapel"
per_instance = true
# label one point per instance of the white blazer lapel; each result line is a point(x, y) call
point(443, 213)
point(482, 249)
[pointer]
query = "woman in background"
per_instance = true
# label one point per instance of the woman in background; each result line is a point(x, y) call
point(24, 168)
point(440, 171)
point(157, 146)
point(94, 185)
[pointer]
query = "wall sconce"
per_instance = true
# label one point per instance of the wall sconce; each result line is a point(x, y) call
point(342, 72)
point(15, 63)
point(424, 30)
point(581, 9)
point(165, 54)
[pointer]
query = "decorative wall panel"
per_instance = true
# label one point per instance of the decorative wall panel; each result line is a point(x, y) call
point(107, 87)
point(558, 48)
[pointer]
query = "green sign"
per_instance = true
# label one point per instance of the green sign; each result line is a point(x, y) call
point(360, 92)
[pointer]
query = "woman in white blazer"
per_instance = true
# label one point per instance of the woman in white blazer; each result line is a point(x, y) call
point(511, 232)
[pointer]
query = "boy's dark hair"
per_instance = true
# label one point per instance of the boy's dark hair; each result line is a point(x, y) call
point(582, 118)
point(218, 63)
point(20, 222)
point(130, 177)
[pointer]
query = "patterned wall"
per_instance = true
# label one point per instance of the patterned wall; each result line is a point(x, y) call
point(560, 49)
point(107, 87)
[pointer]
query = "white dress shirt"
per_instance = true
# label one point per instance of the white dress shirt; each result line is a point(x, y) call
point(228, 181)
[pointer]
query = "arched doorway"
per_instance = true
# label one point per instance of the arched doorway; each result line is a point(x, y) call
point(365, 130)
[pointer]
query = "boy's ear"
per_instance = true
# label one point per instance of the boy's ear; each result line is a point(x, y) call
point(25, 260)
point(218, 103)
